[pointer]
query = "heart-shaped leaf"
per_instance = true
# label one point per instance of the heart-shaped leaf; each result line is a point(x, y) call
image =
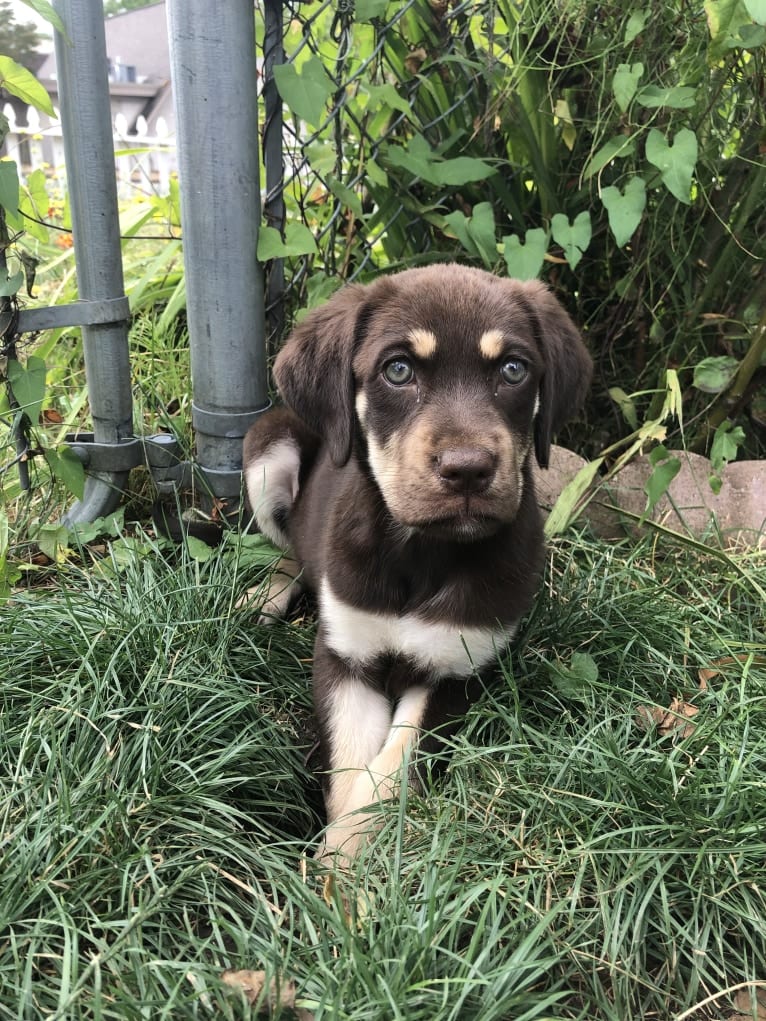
point(87, 531)
point(625, 209)
point(616, 148)
point(346, 195)
point(481, 228)
point(22, 83)
point(635, 25)
point(68, 468)
point(198, 550)
point(321, 156)
point(712, 375)
point(576, 680)
point(11, 284)
point(727, 440)
point(757, 10)
point(725, 19)
point(28, 384)
point(524, 259)
point(298, 241)
point(416, 157)
point(9, 186)
point(573, 237)
point(675, 161)
point(305, 91)
point(665, 467)
point(367, 10)
point(461, 170)
point(752, 36)
point(680, 97)
point(34, 202)
point(53, 540)
point(625, 83)
point(386, 95)
point(421, 161)
point(457, 226)
point(475, 233)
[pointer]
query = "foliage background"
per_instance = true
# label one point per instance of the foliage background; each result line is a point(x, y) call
point(617, 151)
point(18, 39)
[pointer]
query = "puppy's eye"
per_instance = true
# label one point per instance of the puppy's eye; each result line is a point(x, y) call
point(399, 372)
point(513, 370)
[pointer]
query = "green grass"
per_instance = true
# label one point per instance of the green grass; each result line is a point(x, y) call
point(157, 812)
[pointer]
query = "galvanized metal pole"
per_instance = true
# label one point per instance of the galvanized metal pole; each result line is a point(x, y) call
point(81, 67)
point(212, 51)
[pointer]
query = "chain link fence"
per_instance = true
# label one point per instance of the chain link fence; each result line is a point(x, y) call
point(397, 97)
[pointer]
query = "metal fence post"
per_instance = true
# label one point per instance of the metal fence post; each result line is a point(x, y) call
point(88, 146)
point(214, 73)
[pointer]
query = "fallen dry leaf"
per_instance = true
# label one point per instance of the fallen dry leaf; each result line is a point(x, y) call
point(251, 983)
point(747, 999)
point(706, 674)
point(677, 720)
point(360, 903)
point(415, 59)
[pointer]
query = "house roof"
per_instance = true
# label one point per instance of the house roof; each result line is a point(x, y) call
point(134, 39)
point(140, 39)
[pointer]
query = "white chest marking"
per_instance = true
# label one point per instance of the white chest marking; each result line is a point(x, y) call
point(441, 649)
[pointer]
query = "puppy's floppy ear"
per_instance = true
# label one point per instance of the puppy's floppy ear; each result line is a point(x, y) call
point(314, 369)
point(568, 366)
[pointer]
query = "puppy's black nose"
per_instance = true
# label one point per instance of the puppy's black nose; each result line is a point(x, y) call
point(466, 469)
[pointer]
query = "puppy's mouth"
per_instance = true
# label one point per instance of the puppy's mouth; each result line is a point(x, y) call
point(464, 525)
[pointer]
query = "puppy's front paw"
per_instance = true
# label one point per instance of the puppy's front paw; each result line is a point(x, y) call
point(274, 596)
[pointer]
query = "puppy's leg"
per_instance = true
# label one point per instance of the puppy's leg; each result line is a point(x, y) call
point(423, 719)
point(277, 595)
point(271, 470)
point(354, 722)
point(379, 779)
point(366, 745)
point(273, 452)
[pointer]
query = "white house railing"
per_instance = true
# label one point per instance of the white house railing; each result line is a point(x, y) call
point(144, 161)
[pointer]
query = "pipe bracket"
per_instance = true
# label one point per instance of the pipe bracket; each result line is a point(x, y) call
point(230, 425)
point(77, 313)
point(106, 457)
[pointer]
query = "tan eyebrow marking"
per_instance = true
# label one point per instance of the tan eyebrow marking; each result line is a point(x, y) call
point(491, 344)
point(361, 407)
point(423, 343)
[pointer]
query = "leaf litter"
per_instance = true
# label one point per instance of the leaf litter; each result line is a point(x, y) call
point(751, 1003)
point(280, 995)
point(678, 720)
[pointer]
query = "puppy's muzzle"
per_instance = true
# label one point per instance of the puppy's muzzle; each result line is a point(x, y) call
point(466, 470)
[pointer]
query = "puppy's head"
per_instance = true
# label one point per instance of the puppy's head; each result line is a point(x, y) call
point(448, 377)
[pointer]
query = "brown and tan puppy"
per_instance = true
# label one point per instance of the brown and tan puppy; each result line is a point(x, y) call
point(398, 476)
